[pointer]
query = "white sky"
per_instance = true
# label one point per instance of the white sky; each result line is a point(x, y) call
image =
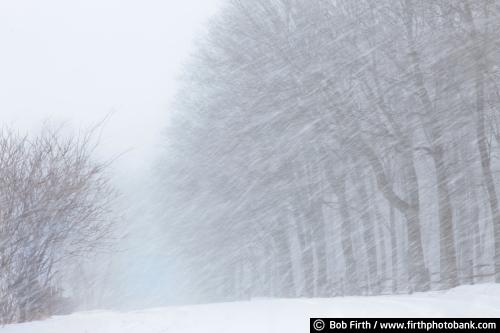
point(76, 61)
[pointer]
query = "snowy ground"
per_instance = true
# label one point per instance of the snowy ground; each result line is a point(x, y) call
point(273, 315)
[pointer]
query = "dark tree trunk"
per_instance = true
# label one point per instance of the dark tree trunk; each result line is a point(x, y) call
point(448, 258)
point(369, 238)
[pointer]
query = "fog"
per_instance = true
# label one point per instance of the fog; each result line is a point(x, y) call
point(77, 63)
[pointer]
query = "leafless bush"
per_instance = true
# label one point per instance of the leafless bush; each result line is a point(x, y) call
point(55, 205)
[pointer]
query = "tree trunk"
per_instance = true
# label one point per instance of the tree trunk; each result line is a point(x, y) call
point(482, 138)
point(431, 126)
point(319, 243)
point(284, 261)
point(394, 251)
point(419, 274)
point(307, 257)
point(369, 239)
point(448, 259)
point(351, 271)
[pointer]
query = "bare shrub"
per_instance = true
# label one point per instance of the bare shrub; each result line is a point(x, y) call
point(55, 204)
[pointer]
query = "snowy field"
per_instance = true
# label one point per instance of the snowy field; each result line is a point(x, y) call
point(273, 315)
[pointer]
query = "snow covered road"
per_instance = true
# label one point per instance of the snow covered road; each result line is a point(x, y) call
point(281, 315)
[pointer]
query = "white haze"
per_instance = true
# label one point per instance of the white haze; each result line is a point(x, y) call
point(77, 62)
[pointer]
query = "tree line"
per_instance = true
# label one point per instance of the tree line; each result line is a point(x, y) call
point(337, 147)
